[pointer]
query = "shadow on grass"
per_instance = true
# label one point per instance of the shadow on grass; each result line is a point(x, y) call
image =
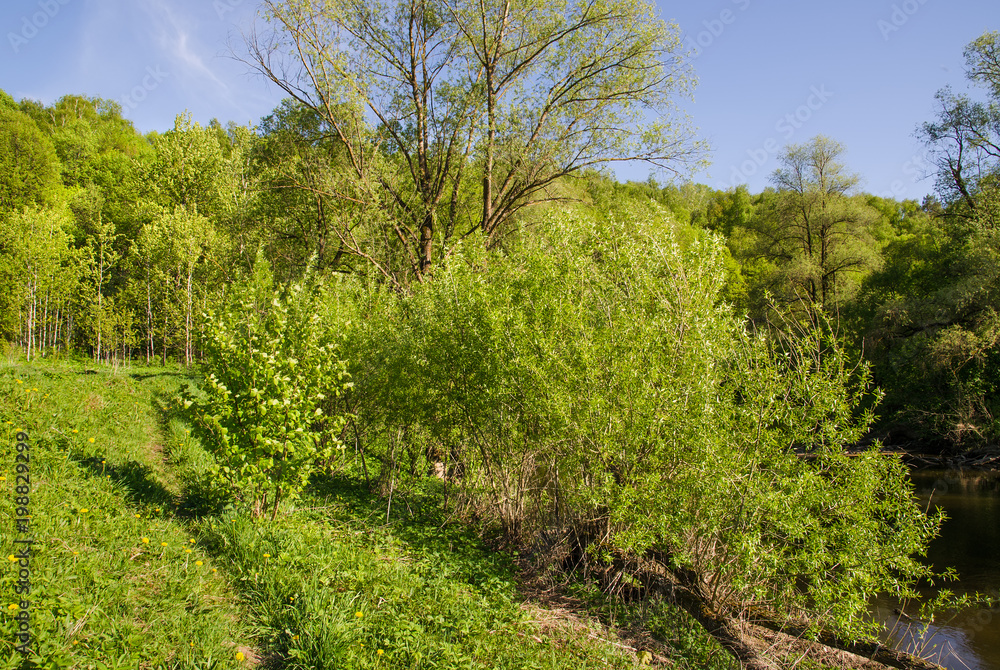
point(417, 518)
point(201, 495)
point(136, 478)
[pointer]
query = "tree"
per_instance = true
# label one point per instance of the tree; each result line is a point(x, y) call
point(817, 234)
point(29, 168)
point(937, 327)
point(39, 276)
point(454, 115)
point(965, 138)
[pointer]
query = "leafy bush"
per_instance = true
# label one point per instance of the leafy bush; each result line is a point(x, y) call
point(591, 389)
point(269, 408)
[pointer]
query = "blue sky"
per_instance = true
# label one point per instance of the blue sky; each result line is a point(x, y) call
point(863, 72)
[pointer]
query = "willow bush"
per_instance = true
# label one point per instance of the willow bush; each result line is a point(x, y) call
point(590, 382)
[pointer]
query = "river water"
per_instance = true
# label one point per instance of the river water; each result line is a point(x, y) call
point(970, 543)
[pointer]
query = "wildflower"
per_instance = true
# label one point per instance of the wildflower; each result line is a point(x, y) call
point(379, 652)
point(145, 540)
point(84, 510)
point(191, 541)
point(163, 544)
point(214, 570)
point(12, 606)
point(239, 656)
point(267, 555)
point(12, 558)
point(138, 516)
point(200, 563)
point(75, 430)
point(295, 637)
point(359, 614)
point(187, 551)
point(18, 381)
point(90, 439)
point(76, 553)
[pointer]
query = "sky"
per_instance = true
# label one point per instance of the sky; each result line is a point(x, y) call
point(770, 73)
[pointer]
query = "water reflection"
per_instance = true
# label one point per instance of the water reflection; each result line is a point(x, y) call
point(969, 542)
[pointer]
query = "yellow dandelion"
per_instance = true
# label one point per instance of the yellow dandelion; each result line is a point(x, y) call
point(76, 553)
point(18, 381)
point(379, 652)
point(163, 544)
point(267, 555)
point(157, 509)
point(192, 644)
point(34, 389)
point(187, 551)
point(12, 558)
point(239, 656)
point(191, 541)
point(359, 614)
point(76, 642)
point(214, 570)
point(12, 606)
point(75, 430)
point(90, 439)
point(84, 510)
point(145, 540)
point(138, 516)
point(198, 563)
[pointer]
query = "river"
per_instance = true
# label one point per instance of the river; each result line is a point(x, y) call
point(970, 543)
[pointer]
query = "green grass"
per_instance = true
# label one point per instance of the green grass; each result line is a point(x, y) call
point(140, 563)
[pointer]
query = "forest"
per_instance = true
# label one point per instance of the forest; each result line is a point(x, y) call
point(418, 271)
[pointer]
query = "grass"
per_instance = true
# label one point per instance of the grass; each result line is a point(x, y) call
point(140, 563)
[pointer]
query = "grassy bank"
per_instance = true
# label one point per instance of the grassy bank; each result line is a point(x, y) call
point(138, 562)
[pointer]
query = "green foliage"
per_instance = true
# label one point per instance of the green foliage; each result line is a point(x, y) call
point(29, 168)
point(594, 374)
point(39, 275)
point(269, 409)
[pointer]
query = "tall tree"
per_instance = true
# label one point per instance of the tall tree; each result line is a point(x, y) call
point(454, 115)
point(817, 234)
